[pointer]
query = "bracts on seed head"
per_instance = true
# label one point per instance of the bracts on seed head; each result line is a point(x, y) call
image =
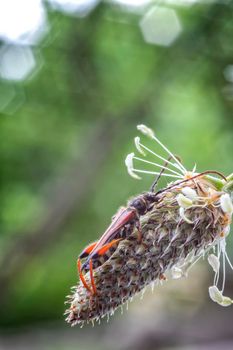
point(187, 220)
point(158, 235)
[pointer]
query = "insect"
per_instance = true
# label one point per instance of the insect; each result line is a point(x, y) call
point(121, 227)
point(123, 224)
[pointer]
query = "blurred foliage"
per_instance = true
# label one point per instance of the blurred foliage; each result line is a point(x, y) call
point(98, 72)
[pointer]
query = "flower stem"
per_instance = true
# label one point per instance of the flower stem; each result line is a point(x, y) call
point(218, 183)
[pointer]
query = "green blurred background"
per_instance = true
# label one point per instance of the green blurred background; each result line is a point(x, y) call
point(72, 90)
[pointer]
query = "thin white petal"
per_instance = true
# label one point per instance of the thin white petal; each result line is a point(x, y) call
point(226, 203)
point(190, 193)
point(214, 262)
point(194, 168)
point(183, 201)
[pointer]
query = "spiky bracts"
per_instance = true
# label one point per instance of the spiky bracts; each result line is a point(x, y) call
point(187, 221)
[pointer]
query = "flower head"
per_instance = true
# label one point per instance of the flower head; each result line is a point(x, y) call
point(188, 218)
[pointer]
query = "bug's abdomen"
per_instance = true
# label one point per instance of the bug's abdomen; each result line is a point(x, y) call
point(100, 259)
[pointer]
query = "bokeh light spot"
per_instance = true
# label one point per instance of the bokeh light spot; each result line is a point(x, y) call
point(16, 62)
point(228, 73)
point(160, 26)
point(74, 7)
point(132, 3)
point(22, 22)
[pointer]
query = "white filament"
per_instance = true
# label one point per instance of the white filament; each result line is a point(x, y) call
point(158, 165)
point(152, 135)
point(163, 159)
point(155, 173)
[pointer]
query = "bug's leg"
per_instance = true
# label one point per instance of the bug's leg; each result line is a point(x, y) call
point(106, 247)
point(94, 290)
point(160, 174)
point(87, 250)
point(100, 252)
point(82, 278)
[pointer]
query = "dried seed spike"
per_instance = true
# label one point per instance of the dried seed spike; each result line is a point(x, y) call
point(150, 258)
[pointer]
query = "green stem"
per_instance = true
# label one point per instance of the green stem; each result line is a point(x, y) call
point(218, 183)
point(229, 185)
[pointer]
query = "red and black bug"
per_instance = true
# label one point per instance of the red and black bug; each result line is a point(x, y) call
point(123, 224)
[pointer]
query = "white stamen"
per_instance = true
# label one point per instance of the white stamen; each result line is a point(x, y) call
point(218, 298)
point(216, 277)
point(145, 130)
point(190, 193)
point(138, 145)
point(129, 165)
point(159, 166)
point(214, 262)
point(194, 168)
point(228, 260)
point(183, 201)
point(222, 245)
point(162, 158)
point(226, 301)
point(226, 230)
point(155, 173)
point(224, 271)
point(183, 216)
point(226, 204)
point(215, 294)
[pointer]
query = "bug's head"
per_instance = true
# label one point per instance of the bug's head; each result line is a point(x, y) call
point(139, 204)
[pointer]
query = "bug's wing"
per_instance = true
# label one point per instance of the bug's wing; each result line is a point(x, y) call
point(122, 217)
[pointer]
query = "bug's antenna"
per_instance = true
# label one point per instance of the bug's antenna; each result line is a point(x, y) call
point(152, 188)
point(192, 178)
